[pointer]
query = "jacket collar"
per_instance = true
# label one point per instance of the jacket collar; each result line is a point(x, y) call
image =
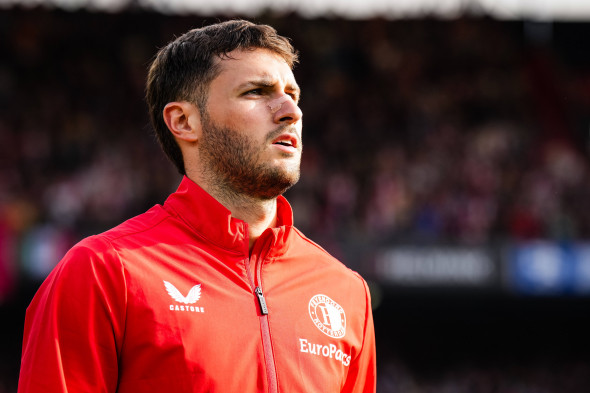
point(213, 221)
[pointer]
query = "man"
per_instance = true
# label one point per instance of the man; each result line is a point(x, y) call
point(214, 291)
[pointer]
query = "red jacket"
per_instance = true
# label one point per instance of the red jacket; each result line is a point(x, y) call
point(171, 301)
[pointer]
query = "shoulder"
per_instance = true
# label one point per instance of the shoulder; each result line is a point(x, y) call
point(101, 252)
point(316, 254)
point(145, 222)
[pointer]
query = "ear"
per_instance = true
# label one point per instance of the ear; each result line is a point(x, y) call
point(183, 120)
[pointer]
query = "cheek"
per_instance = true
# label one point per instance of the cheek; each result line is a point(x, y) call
point(252, 120)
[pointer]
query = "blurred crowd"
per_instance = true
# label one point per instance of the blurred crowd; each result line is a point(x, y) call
point(540, 377)
point(468, 131)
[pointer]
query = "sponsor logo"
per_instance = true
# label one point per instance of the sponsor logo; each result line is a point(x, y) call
point(329, 351)
point(186, 308)
point(194, 294)
point(328, 316)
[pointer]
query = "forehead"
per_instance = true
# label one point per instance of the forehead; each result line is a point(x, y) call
point(244, 65)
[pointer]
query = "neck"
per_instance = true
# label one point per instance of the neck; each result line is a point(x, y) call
point(259, 214)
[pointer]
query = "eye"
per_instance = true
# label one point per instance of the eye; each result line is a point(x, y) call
point(254, 92)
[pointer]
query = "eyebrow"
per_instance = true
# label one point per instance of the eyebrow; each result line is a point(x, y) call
point(256, 83)
point(267, 81)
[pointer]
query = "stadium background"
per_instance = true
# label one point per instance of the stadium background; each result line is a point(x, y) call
point(446, 159)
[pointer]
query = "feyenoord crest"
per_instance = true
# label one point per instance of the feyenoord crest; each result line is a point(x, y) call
point(328, 316)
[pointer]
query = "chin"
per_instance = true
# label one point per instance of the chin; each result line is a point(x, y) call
point(277, 184)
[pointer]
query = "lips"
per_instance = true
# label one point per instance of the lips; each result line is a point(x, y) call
point(286, 139)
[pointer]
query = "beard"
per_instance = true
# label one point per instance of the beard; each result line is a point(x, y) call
point(234, 163)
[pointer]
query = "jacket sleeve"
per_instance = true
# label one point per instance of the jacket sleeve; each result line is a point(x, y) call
point(74, 324)
point(362, 375)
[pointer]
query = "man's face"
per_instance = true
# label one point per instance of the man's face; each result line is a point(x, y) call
point(251, 141)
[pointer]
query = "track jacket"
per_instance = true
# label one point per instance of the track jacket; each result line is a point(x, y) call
point(172, 301)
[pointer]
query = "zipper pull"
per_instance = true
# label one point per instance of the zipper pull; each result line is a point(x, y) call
point(261, 300)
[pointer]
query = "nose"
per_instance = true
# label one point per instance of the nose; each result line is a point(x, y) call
point(288, 112)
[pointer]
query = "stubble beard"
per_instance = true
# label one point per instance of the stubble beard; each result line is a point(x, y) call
point(232, 162)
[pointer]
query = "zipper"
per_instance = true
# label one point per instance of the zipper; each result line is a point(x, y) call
point(261, 301)
point(271, 373)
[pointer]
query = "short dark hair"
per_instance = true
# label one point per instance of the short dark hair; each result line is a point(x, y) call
point(185, 67)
